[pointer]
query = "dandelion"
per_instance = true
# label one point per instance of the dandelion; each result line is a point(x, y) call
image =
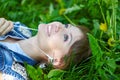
point(111, 42)
point(61, 11)
point(103, 27)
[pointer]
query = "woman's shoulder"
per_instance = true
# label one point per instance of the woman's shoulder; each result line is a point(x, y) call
point(10, 68)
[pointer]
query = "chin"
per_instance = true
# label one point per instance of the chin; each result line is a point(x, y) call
point(60, 66)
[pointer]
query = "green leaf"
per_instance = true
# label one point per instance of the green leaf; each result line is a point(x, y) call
point(39, 70)
point(55, 73)
point(55, 79)
point(31, 71)
point(84, 20)
point(51, 9)
point(96, 51)
point(96, 29)
point(94, 45)
point(74, 8)
point(103, 74)
point(111, 63)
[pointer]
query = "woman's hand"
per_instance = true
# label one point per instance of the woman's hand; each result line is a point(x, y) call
point(5, 26)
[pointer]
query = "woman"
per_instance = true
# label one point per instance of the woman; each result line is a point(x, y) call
point(53, 44)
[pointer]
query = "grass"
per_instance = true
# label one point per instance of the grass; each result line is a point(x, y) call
point(100, 16)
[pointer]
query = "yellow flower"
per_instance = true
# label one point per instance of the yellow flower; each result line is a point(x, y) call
point(103, 27)
point(61, 11)
point(111, 42)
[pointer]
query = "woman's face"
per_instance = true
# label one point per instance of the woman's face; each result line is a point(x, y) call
point(56, 39)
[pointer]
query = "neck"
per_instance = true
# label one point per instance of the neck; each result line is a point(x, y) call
point(30, 47)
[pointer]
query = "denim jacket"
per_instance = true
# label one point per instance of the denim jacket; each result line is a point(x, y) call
point(11, 62)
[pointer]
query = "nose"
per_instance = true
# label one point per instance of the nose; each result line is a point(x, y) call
point(57, 26)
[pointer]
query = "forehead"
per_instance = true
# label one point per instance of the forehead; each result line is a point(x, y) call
point(77, 33)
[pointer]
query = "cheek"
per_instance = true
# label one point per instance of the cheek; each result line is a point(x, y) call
point(55, 42)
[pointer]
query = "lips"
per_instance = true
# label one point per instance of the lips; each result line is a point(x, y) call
point(52, 29)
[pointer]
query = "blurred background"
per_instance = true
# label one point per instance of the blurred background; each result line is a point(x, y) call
point(34, 12)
